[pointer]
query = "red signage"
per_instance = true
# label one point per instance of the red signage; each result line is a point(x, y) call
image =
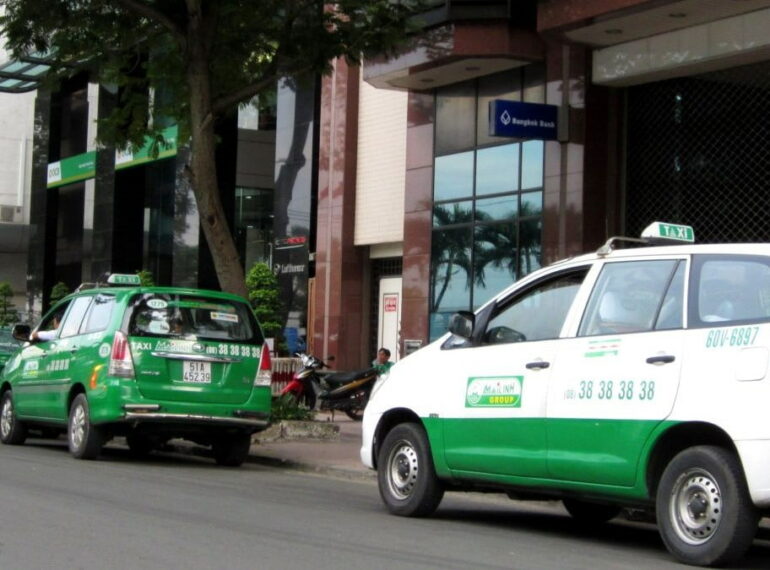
point(391, 303)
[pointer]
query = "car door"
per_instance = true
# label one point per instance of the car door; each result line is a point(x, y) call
point(617, 379)
point(494, 406)
point(61, 363)
point(33, 380)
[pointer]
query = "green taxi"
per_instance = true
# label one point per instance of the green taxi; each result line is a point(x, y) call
point(145, 363)
point(8, 345)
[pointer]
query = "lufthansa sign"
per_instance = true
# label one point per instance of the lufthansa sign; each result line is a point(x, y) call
point(523, 120)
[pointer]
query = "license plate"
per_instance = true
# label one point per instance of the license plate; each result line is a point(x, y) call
point(196, 372)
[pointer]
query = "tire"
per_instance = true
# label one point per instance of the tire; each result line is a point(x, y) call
point(85, 439)
point(307, 398)
point(232, 451)
point(12, 431)
point(405, 473)
point(590, 513)
point(703, 508)
point(356, 415)
point(139, 445)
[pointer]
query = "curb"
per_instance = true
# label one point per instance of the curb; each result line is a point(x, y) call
point(315, 468)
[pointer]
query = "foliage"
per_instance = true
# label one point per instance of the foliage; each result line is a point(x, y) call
point(146, 278)
point(264, 295)
point(192, 62)
point(286, 408)
point(8, 314)
point(58, 292)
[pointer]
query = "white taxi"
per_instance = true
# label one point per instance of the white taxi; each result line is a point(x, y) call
point(633, 377)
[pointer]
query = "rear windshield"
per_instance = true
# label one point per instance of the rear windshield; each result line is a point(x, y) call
point(192, 317)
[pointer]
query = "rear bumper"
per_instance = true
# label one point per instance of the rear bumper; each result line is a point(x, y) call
point(190, 419)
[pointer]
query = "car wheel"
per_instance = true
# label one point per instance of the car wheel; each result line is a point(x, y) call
point(139, 445)
point(12, 431)
point(590, 513)
point(356, 415)
point(85, 439)
point(405, 473)
point(232, 451)
point(704, 511)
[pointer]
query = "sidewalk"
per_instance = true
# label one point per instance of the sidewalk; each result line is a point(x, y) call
point(339, 457)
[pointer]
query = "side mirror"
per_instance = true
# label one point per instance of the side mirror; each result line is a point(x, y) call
point(21, 332)
point(462, 323)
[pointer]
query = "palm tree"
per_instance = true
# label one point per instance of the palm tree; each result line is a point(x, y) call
point(451, 250)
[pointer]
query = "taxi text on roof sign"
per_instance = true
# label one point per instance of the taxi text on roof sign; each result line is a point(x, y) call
point(124, 279)
point(674, 232)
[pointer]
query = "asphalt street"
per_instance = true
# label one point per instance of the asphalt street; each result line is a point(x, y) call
point(182, 511)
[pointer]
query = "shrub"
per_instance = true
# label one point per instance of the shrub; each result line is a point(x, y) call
point(286, 408)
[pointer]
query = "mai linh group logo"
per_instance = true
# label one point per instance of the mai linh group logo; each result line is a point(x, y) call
point(494, 392)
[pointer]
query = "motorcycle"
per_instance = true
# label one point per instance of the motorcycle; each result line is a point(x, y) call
point(345, 391)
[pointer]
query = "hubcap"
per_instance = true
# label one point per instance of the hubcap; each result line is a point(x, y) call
point(403, 469)
point(696, 507)
point(77, 427)
point(6, 417)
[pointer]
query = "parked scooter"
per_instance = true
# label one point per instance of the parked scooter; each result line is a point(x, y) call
point(345, 391)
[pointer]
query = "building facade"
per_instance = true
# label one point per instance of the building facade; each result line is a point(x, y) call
point(660, 117)
point(379, 195)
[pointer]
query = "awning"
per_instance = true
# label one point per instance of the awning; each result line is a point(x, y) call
point(24, 74)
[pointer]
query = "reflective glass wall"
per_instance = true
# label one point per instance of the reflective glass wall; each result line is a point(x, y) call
point(487, 196)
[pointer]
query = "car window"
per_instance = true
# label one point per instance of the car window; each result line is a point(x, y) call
point(99, 314)
point(74, 317)
point(732, 289)
point(187, 316)
point(672, 310)
point(52, 321)
point(536, 314)
point(628, 297)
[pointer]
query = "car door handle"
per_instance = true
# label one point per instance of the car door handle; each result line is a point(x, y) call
point(661, 359)
point(538, 365)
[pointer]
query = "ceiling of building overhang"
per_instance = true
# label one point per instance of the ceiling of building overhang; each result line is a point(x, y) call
point(22, 75)
point(625, 26)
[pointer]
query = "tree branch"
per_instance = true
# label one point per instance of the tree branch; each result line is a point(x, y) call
point(245, 93)
point(142, 9)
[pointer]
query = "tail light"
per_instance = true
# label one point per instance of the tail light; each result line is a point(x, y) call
point(121, 364)
point(265, 373)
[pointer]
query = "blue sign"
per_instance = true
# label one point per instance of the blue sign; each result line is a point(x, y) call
point(523, 120)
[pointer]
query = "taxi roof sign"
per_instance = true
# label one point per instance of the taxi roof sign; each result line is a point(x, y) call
point(123, 279)
point(663, 232)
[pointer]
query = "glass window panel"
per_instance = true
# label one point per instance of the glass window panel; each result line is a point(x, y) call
point(453, 176)
point(450, 275)
point(99, 314)
point(531, 204)
point(499, 208)
point(455, 117)
point(627, 297)
point(453, 213)
point(439, 323)
point(75, 317)
point(536, 314)
point(497, 169)
point(532, 164)
point(672, 311)
point(733, 290)
point(505, 85)
point(494, 260)
point(529, 246)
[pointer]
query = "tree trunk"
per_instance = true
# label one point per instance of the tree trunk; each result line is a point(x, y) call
point(203, 164)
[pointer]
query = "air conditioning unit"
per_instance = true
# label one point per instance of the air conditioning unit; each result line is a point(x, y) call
point(10, 214)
